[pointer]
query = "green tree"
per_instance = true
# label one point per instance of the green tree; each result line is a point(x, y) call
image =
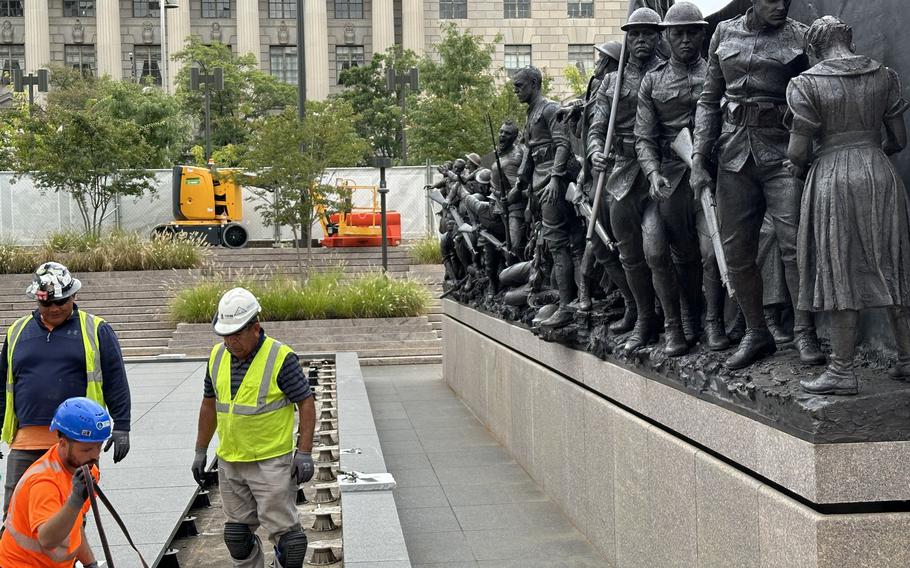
point(377, 108)
point(249, 93)
point(285, 161)
point(578, 80)
point(88, 153)
point(460, 90)
point(157, 114)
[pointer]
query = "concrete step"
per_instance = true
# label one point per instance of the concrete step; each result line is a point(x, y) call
point(432, 344)
point(138, 334)
point(145, 342)
point(407, 360)
point(132, 352)
point(87, 304)
point(304, 352)
point(281, 326)
point(424, 333)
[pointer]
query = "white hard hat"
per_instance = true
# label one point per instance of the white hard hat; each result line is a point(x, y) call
point(236, 308)
point(52, 281)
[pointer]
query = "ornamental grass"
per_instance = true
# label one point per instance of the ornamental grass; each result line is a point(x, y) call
point(426, 251)
point(321, 296)
point(110, 252)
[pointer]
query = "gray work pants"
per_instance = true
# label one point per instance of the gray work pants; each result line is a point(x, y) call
point(259, 493)
point(16, 463)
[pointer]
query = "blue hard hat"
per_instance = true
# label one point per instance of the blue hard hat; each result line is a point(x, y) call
point(83, 420)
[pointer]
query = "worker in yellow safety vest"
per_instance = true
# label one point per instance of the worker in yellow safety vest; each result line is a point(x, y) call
point(55, 353)
point(252, 385)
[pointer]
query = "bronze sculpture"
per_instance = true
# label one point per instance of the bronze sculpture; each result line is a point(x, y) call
point(666, 106)
point(627, 187)
point(751, 60)
point(854, 232)
point(549, 165)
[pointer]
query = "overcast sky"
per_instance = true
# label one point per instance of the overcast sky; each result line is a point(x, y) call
point(711, 6)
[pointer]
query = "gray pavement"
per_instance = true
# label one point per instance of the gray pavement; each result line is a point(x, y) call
point(152, 487)
point(462, 500)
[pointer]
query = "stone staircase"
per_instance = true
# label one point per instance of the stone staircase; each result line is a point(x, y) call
point(136, 306)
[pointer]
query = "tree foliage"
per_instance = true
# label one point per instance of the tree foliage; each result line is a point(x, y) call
point(577, 79)
point(377, 109)
point(285, 161)
point(88, 153)
point(460, 91)
point(249, 93)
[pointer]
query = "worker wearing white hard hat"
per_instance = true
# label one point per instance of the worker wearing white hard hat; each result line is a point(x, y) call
point(260, 466)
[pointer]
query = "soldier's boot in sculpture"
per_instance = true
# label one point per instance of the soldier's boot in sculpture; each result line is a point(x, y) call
point(645, 331)
point(584, 283)
point(900, 323)
point(564, 272)
point(806, 339)
point(665, 284)
point(715, 334)
point(758, 342)
point(618, 276)
point(738, 330)
point(780, 333)
point(839, 377)
point(689, 277)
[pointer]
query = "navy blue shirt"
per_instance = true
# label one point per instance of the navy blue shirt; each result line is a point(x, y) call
point(291, 381)
point(49, 367)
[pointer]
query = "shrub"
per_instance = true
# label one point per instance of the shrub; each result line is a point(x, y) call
point(115, 251)
point(323, 296)
point(426, 251)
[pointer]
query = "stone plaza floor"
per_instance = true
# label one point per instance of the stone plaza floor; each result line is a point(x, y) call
point(462, 500)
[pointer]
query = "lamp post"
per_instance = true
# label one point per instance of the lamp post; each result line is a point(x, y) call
point(31, 81)
point(399, 83)
point(164, 5)
point(207, 82)
point(301, 63)
point(383, 162)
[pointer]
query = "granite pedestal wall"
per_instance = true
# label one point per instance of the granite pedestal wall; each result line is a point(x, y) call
point(656, 477)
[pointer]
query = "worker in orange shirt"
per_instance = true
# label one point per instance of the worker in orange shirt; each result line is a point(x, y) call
point(44, 527)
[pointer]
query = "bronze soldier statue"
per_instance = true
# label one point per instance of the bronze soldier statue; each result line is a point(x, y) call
point(485, 219)
point(513, 199)
point(597, 253)
point(854, 232)
point(666, 106)
point(547, 169)
point(627, 186)
point(751, 60)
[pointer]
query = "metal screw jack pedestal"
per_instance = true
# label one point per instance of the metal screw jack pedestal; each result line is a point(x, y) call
point(325, 473)
point(187, 528)
point(202, 501)
point(323, 556)
point(324, 523)
point(324, 495)
point(169, 560)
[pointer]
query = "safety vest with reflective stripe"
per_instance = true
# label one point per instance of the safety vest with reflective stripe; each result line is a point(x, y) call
point(19, 545)
point(258, 422)
point(88, 325)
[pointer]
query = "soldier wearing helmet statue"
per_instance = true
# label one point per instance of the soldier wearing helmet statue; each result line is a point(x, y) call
point(484, 214)
point(666, 106)
point(55, 353)
point(260, 465)
point(627, 188)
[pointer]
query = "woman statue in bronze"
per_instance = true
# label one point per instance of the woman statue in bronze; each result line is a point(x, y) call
point(854, 231)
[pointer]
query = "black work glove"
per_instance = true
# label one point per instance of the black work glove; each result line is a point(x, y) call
point(120, 439)
point(199, 465)
point(80, 489)
point(303, 467)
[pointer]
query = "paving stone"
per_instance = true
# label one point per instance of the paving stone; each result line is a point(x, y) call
point(422, 477)
point(489, 455)
point(372, 517)
point(398, 462)
point(522, 517)
point(428, 519)
point(499, 474)
point(439, 547)
point(418, 497)
point(520, 492)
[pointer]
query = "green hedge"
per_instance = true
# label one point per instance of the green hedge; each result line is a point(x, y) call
point(426, 251)
point(323, 296)
point(114, 251)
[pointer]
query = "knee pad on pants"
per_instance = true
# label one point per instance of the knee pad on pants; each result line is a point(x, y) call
point(291, 549)
point(240, 540)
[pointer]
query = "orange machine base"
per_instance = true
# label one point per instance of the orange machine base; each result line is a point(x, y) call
point(337, 241)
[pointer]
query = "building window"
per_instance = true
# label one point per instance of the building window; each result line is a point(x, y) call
point(516, 9)
point(282, 9)
point(148, 63)
point(453, 9)
point(145, 8)
point(11, 8)
point(581, 55)
point(581, 9)
point(78, 8)
point(517, 57)
point(80, 57)
point(12, 57)
point(348, 9)
point(283, 63)
point(216, 8)
point(347, 56)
